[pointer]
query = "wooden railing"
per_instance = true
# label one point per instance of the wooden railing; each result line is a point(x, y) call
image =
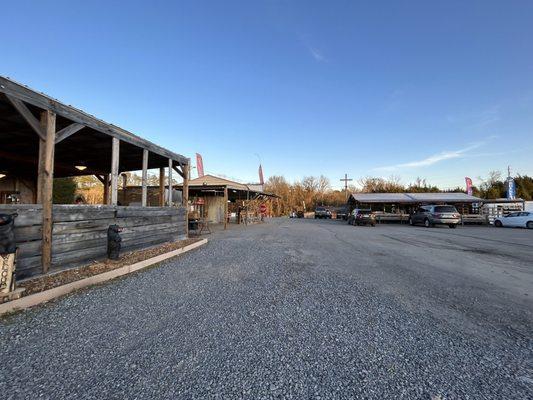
point(79, 232)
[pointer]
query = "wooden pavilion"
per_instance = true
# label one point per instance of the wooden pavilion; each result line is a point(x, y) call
point(43, 139)
point(221, 200)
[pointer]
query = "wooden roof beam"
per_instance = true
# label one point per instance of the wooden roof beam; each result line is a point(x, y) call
point(23, 93)
point(178, 171)
point(68, 131)
point(27, 115)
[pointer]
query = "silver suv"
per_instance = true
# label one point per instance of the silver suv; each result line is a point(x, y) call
point(322, 212)
point(432, 215)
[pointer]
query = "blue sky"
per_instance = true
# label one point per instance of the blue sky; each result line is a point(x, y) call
point(440, 90)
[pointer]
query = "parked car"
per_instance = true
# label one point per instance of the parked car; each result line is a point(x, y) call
point(522, 219)
point(300, 214)
point(322, 212)
point(432, 215)
point(342, 213)
point(292, 214)
point(362, 217)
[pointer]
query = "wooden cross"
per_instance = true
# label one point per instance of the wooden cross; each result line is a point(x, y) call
point(346, 180)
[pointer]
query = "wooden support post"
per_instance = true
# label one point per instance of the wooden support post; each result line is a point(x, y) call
point(144, 193)
point(106, 189)
point(169, 194)
point(124, 185)
point(46, 182)
point(161, 187)
point(115, 155)
point(225, 207)
point(185, 193)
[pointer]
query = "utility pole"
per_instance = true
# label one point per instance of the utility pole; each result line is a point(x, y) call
point(346, 180)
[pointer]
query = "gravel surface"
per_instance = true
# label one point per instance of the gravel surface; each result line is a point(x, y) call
point(293, 309)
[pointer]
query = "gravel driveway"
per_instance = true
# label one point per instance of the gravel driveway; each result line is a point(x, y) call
point(293, 309)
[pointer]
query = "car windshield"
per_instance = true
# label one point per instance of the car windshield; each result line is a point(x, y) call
point(443, 209)
point(320, 208)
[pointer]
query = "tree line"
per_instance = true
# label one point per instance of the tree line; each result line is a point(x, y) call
point(311, 191)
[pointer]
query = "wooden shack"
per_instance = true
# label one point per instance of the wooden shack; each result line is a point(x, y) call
point(221, 200)
point(43, 139)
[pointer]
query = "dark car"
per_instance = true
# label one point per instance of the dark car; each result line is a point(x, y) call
point(362, 217)
point(322, 212)
point(342, 213)
point(432, 215)
point(300, 214)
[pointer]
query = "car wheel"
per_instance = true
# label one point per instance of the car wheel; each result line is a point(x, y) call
point(529, 225)
point(498, 224)
point(427, 224)
point(453, 226)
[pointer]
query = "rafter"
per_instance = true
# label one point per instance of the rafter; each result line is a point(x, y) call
point(178, 171)
point(68, 131)
point(27, 115)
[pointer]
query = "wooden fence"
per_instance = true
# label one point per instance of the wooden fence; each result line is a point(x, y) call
point(79, 232)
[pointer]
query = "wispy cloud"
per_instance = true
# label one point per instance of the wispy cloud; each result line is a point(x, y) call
point(477, 120)
point(438, 157)
point(316, 54)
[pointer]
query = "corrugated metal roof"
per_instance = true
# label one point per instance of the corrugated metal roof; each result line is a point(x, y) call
point(211, 180)
point(446, 197)
point(441, 197)
point(381, 197)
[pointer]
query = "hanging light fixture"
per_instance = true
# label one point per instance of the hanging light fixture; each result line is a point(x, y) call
point(80, 166)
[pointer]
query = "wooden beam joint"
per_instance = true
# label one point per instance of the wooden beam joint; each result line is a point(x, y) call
point(27, 115)
point(68, 131)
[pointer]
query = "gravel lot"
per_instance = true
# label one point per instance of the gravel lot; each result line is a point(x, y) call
point(293, 309)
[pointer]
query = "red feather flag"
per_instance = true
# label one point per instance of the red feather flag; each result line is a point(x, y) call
point(261, 179)
point(199, 165)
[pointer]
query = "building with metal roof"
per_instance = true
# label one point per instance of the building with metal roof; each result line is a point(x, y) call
point(406, 202)
point(221, 200)
point(414, 198)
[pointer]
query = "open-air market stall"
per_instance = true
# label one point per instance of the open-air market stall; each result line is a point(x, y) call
point(43, 139)
point(220, 200)
point(494, 208)
point(398, 206)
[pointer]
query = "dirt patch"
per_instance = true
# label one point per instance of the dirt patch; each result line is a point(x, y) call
point(54, 279)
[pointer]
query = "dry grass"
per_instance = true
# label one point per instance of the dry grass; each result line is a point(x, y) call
point(54, 279)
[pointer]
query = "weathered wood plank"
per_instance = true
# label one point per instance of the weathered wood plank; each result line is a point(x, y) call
point(27, 233)
point(103, 224)
point(180, 173)
point(150, 211)
point(59, 248)
point(77, 255)
point(128, 232)
point(46, 180)
point(107, 182)
point(144, 193)
point(28, 271)
point(27, 216)
point(68, 131)
point(29, 96)
point(29, 249)
point(27, 115)
point(115, 155)
point(83, 215)
point(169, 194)
point(74, 208)
point(27, 263)
point(161, 187)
